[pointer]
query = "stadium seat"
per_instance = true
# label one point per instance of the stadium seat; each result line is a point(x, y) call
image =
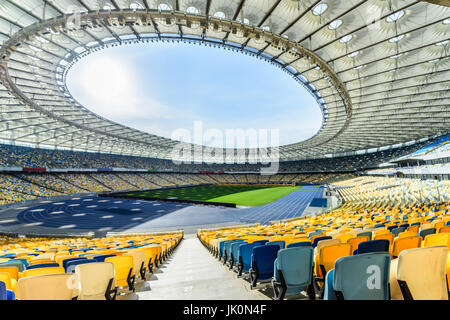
point(299, 244)
point(8, 280)
point(327, 256)
point(293, 272)
point(245, 257)
point(123, 266)
point(42, 265)
point(362, 277)
point(103, 257)
point(14, 263)
point(372, 246)
point(97, 281)
point(70, 267)
point(138, 263)
point(281, 244)
point(41, 271)
point(317, 239)
point(234, 255)
point(328, 293)
point(420, 274)
point(438, 239)
point(47, 287)
point(365, 234)
point(263, 258)
point(397, 231)
point(401, 244)
point(425, 232)
point(389, 237)
point(6, 294)
point(354, 242)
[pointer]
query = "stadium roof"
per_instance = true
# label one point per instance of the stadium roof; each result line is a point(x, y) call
point(379, 69)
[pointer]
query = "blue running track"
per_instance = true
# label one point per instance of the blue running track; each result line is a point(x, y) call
point(113, 214)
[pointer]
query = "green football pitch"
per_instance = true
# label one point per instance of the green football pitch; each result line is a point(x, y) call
point(241, 195)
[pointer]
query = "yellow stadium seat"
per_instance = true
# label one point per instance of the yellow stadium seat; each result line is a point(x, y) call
point(47, 287)
point(401, 244)
point(437, 239)
point(406, 234)
point(123, 266)
point(421, 273)
point(354, 242)
point(97, 281)
point(10, 282)
point(41, 271)
point(138, 262)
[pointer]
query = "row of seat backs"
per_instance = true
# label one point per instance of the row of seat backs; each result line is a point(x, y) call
point(373, 276)
point(89, 282)
point(295, 265)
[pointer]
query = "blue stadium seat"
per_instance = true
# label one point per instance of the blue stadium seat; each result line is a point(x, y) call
point(281, 244)
point(235, 253)
point(6, 294)
point(397, 231)
point(362, 277)
point(316, 240)
point(102, 257)
point(329, 293)
point(299, 244)
point(381, 245)
point(43, 265)
point(70, 267)
point(227, 249)
point(263, 258)
point(14, 263)
point(66, 261)
point(426, 232)
point(245, 257)
point(293, 272)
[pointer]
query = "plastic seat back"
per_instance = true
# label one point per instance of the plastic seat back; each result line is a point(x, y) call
point(42, 265)
point(389, 237)
point(426, 232)
point(47, 287)
point(316, 240)
point(245, 255)
point(18, 264)
point(362, 277)
point(295, 264)
point(227, 247)
point(437, 239)
point(354, 242)
point(95, 279)
point(13, 271)
point(330, 253)
point(103, 257)
point(6, 294)
point(263, 258)
point(235, 252)
point(41, 271)
point(365, 234)
point(373, 246)
point(401, 244)
point(281, 244)
point(397, 231)
point(421, 273)
point(138, 260)
point(123, 265)
point(70, 267)
point(299, 244)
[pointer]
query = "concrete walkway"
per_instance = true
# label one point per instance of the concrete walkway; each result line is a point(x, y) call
point(192, 273)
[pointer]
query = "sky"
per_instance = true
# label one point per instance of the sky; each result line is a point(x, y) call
point(168, 89)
